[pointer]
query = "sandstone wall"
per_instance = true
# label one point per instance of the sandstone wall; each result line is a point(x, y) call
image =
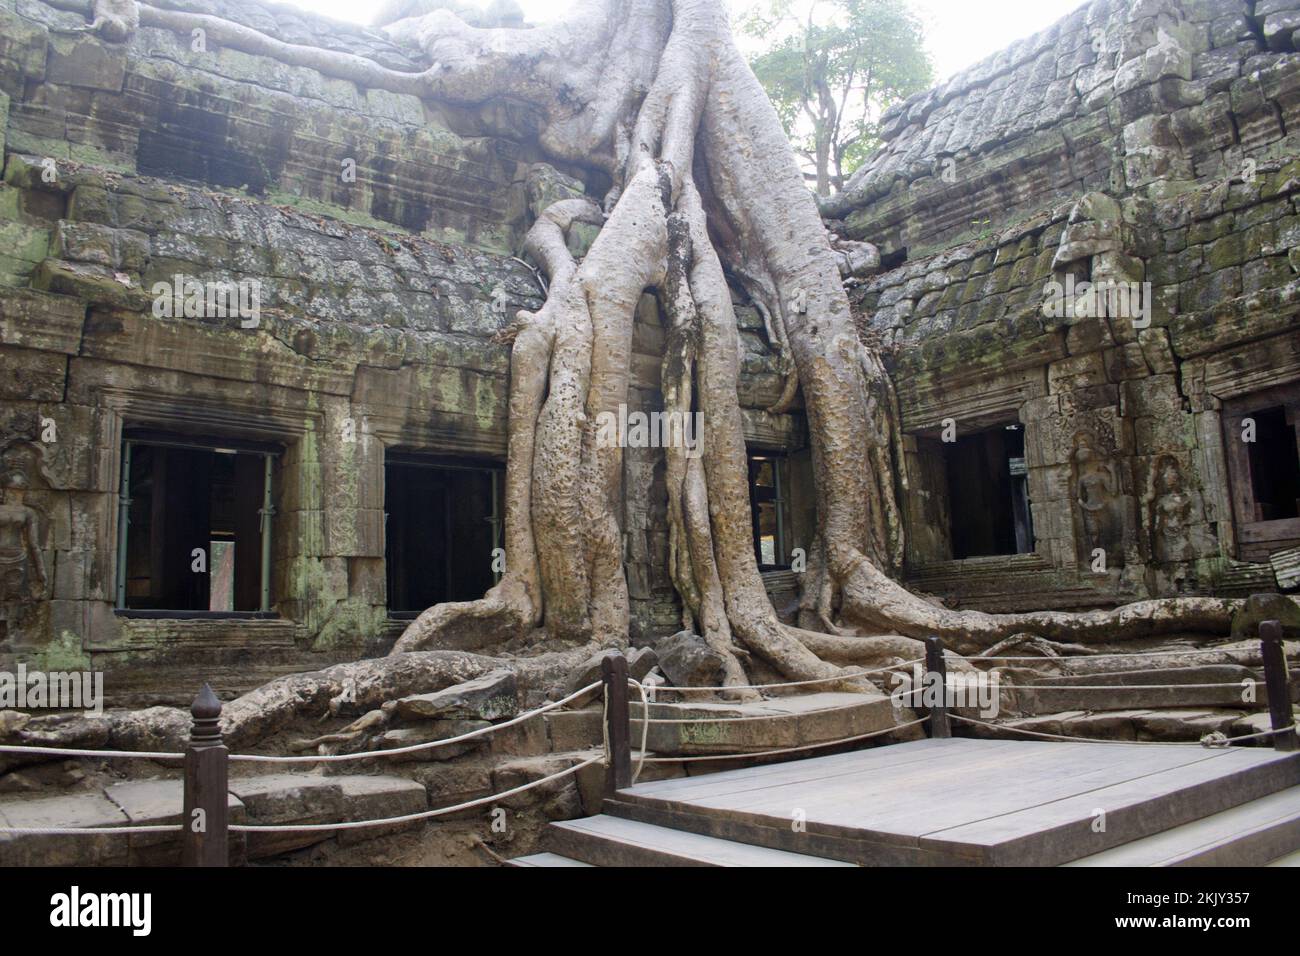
point(1138, 142)
point(128, 164)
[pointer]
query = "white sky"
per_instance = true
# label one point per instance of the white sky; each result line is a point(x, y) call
point(957, 32)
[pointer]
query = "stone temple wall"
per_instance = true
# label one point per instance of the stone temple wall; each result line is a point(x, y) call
point(1137, 142)
point(126, 165)
point(1115, 144)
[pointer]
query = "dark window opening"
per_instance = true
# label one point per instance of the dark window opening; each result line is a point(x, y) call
point(1262, 449)
point(1274, 466)
point(768, 479)
point(988, 493)
point(194, 527)
point(442, 523)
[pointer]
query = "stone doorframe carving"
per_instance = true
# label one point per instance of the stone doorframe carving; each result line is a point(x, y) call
point(119, 408)
point(1208, 382)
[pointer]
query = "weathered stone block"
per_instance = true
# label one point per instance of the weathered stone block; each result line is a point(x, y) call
point(87, 62)
point(494, 696)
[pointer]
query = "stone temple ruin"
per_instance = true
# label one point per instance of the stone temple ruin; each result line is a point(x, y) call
point(251, 316)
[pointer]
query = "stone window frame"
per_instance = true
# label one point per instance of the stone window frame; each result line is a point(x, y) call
point(391, 434)
point(123, 408)
point(1251, 533)
point(1004, 409)
point(495, 467)
point(1212, 379)
point(269, 452)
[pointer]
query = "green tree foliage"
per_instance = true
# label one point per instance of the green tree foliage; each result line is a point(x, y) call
point(831, 68)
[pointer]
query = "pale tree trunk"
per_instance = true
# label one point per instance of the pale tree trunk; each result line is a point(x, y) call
point(655, 93)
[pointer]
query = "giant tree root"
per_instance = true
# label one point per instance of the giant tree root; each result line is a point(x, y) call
point(654, 95)
point(349, 689)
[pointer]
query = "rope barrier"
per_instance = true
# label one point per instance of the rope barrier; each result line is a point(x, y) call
point(1104, 657)
point(789, 750)
point(91, 831)
point(106, 754)
point(739, 720)
point(410, 817)
point(645, 726)
point(415, 748)
point(846, 676)
point(1219, 742)
point(1240, 685)
point(1218, 738)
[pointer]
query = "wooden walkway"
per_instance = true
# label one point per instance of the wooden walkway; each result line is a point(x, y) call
point(969, 801)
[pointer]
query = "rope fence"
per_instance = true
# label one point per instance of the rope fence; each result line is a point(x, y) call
point(411, 817)
point(790, 750)
point(104, 754)
point(1134, 655)
point(1214, 739)
point(416, 748)
point(206, 761)
point(846, 677)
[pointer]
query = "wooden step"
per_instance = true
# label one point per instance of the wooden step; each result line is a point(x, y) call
point(1248, 835)
point(612, 841)
point(546, 859)
point(719, 727)
point(964, 801)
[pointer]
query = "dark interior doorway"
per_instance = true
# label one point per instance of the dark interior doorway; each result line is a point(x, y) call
point(193, 538)
point(441, 525)
point(1274, 466)
point(988, 493)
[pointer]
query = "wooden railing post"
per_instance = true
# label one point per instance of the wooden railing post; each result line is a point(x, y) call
point(205, 818)
point(934, 664)
point(1275, 679)
point(613, 672)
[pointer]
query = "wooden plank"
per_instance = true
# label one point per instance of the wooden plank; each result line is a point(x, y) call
point(1277, 815)
point(811, 769)
point(1062, 830)
point(624, 842)
point(953, 793)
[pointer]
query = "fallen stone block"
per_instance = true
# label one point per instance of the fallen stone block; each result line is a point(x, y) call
point(288, 798)
point(494, 696)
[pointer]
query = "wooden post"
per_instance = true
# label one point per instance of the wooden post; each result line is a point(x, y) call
point(205, 817)
point(1275, 679)
point(613, 671)
point(934, 664)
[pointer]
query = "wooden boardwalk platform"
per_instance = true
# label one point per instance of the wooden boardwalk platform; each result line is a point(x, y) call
point(970, 801)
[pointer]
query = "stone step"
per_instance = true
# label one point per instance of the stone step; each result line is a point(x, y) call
point(545, 859)
point(1015, 803)
point(1248, 835)
point(269, 799)
point(721, 727)
point(1156, 687)
point(613, 841)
